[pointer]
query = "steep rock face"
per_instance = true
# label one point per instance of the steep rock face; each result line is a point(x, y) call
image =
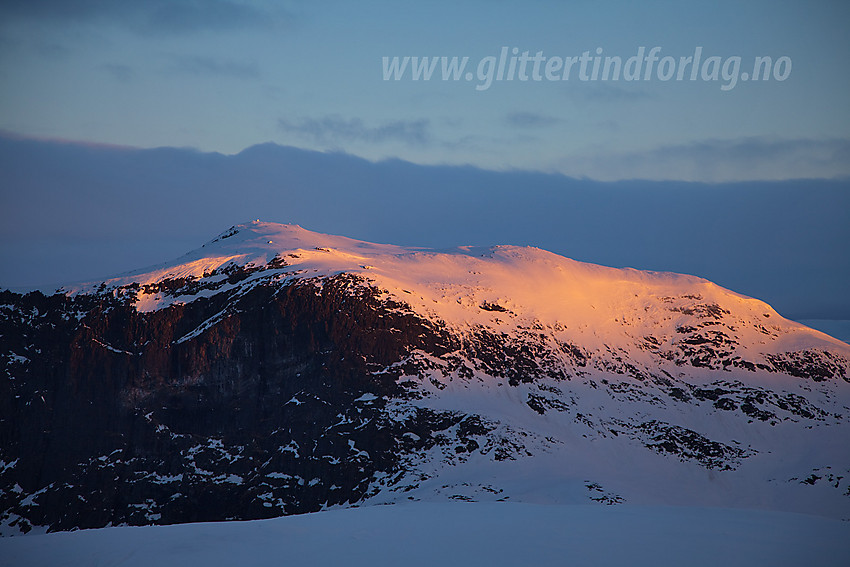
point(321, 371)
point(112, 418)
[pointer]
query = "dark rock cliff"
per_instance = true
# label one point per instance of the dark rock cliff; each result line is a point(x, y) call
point(113, 416)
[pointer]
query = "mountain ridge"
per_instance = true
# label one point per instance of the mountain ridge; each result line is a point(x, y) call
point(258, 243)
point(276, 371)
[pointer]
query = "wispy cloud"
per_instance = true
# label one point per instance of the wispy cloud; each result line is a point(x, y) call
point(155, 17)
point(201, 65)
point(740, 159)
point(336, 129)
point(604, 93)
point(530, 120)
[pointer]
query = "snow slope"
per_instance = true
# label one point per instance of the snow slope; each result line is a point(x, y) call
point(492, 534)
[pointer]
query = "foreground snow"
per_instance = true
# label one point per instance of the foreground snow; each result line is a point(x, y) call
point(460, 534)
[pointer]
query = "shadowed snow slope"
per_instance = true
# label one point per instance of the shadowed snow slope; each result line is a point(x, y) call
point(461, 534)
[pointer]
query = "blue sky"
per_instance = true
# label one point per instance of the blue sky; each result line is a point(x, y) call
point(224, 75)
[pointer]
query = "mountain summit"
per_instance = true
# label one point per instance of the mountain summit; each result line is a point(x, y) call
point(276, 370)
point(455, 285)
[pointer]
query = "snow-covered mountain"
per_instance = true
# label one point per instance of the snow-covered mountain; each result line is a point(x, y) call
point(276, 371)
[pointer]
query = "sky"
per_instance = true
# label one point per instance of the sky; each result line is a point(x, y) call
point(227, 74)
point(132, 132)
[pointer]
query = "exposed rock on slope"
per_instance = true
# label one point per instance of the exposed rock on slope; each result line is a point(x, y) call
point(279, 371)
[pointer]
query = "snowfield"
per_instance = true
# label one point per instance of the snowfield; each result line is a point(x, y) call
point(487, 534)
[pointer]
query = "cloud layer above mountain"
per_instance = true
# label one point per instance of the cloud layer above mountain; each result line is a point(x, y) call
point(74, 212)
